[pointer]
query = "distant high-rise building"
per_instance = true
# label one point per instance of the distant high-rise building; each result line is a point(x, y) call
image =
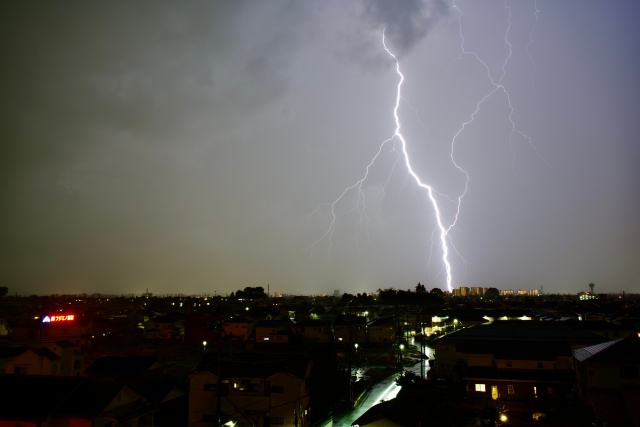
point(591, 286)
point(461, 292)
point(477, 291)
point(336, 293)
point(507, 292)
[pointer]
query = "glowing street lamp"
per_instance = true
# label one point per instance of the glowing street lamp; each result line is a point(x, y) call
point(503, 418)
point(204, 346)
point(401, 346)
point(356, 346)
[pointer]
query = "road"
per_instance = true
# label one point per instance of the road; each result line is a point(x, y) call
point(384, 390)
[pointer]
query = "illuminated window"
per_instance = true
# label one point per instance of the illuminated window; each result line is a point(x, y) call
point(510, 389)
point(481, 387)
point(535, 390)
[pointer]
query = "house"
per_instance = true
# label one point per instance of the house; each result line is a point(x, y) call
point(350, 329)
point(46, 329)
point(273, 331)
point(457, 350)
point(134, 371)
point(609, 380)
point(382, 329)
point(313, 330)
point(258, 390)
point(28, 361)
point(609, 365)
point(519, 370)
point(71, 360)
point(160, 327)
point(59, 358)
point(36, 400)
point(238, 328)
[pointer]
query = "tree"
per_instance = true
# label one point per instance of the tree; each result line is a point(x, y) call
point(492, 293)
point(437, 292)
point(387, 296)
point(3, 291)
point(420, 289)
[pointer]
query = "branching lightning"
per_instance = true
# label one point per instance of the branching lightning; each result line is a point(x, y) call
point(399, 146)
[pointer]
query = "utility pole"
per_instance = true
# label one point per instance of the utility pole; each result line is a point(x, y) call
point(219, 384)
point(349, 351)
point(422, 342)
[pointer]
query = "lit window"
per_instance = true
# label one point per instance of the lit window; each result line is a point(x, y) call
point(510, 389)
point(535, 390)
point(480, 387)
point(266, 338)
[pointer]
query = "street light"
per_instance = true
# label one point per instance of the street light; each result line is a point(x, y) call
point(356, 346)
point(204, 346)
point(401, 346)
point(503, 417)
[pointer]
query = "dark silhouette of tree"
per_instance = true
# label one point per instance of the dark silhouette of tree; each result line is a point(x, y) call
point(3, 291)
point(437, 292)
point(492, 293)
point(252, 293)
point(420, 289)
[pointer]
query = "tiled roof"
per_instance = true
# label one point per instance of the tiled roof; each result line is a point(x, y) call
point(522, 331)
point(239, 320)
point(382, 321)
point(136, 365)
point(623, 350)
point(518, 350)
point(45, 352)
point(257, 365)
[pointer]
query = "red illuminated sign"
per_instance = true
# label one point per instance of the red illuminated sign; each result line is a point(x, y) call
point(58, 318)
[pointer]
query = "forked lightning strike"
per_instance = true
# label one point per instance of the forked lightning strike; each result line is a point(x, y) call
point(397, 136)
point(445, 240)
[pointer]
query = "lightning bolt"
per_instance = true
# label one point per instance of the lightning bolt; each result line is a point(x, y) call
point(398, 135)
point(357, 187)
point(397, 139)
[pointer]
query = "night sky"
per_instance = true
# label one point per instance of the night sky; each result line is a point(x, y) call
point(191, 147)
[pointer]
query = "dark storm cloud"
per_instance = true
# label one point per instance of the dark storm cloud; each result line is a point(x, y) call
point(406, 22)
point(184, 145)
